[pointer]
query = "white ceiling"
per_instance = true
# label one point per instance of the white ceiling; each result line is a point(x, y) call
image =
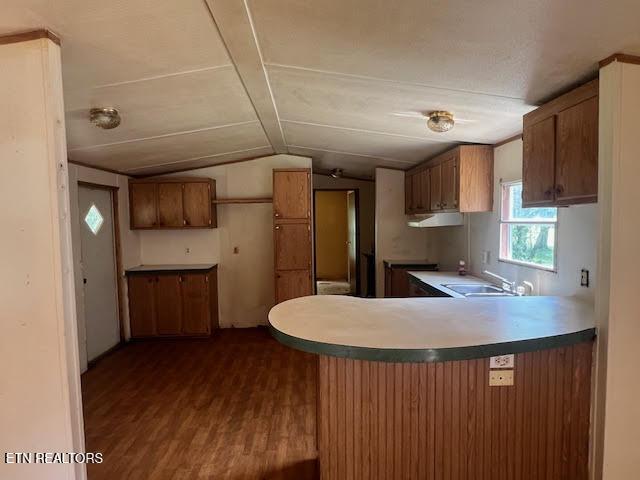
point(343, 81)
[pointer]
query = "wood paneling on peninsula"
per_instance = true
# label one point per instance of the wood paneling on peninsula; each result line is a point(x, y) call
point(433, 421)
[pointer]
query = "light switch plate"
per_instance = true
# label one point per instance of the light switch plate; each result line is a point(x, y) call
point(500, 378)
point(502, 361)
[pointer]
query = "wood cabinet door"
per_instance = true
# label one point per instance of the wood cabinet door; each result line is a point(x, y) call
point(196, 315)
point(197, 204)
point(408, 197)
point(292, 246)
point(399, 283)
point(168, 304)
point(143, 205)
point(450, 182)
point(425, 189)
point(435, 180)
point(577, 153)
point(142, 305)
point(293, 284)
point(538, 163)
point(170, 212)
point(291, 194)
point(416, 193)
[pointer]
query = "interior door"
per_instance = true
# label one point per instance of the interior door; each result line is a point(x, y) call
point(98, 270)
point(291, 195)
point(352, 240)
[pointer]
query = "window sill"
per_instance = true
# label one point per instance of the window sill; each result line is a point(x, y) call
point(529, 265)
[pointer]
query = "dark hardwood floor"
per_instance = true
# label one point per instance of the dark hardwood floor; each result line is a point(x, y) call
point(237, 406)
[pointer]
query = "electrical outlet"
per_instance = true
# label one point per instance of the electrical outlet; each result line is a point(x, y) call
point(584, 277)
point(500, 378)
point(486, 257)
point(502, 361)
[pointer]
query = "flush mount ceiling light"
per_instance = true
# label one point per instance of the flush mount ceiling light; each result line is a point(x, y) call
point(336, 173)
point(440, 121)
point(106, 118)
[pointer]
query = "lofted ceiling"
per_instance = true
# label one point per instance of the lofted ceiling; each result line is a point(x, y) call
point(203, 82)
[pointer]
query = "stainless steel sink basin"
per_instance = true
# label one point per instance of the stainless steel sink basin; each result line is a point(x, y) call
point(475, 290)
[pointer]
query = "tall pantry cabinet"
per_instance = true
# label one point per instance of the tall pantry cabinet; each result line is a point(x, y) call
point(292, 233)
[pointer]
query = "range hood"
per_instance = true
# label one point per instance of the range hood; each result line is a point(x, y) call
point(436, 220)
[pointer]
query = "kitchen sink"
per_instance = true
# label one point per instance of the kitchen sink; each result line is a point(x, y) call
point(475, 290)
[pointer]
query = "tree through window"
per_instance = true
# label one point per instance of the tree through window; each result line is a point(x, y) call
point(528, 236)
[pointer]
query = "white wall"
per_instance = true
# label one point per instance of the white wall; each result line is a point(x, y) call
point(576, 248)
point(394, 239)
point(129, 243)
point(367, 193)
point(246, 279)
point(40, 403)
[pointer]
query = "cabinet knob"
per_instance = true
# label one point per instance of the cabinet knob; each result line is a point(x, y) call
point(276, 214)
point(548, 192)
point(184, 222)
point(277, 227)
point(559, 189)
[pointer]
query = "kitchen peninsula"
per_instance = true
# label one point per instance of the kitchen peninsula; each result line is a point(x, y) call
point(404, 385)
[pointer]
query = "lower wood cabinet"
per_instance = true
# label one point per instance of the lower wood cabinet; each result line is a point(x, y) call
point(396, 279)
point(173, 303)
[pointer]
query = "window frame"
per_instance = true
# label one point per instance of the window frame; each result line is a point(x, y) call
point(501, 222)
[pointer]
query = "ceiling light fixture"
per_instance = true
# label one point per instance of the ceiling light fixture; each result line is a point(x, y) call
point(106, 118)
point(336, 173)
point(440, 121)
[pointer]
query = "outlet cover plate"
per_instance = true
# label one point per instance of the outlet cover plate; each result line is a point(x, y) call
point(502, 361)
point(500, 378)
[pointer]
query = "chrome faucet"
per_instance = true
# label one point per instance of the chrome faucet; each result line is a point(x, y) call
point(507, 285)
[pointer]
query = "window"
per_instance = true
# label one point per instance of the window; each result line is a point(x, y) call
point(528, 236)
point(94, 219)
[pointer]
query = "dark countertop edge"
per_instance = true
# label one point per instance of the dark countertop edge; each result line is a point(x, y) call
point(426, 355)
point(164, 270)
point(437, 286)
point(399, 263)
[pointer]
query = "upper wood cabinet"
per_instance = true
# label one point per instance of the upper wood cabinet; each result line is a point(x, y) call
point(169, 203)
point(292, 194)
point(292, 233)
point(145, 198)
point(560, 150)
point(458, 180)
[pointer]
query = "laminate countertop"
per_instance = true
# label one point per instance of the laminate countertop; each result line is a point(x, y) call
point(194, 267)
point(430, 329)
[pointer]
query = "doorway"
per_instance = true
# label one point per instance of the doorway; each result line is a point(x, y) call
point(337, 266)
point(98, 246)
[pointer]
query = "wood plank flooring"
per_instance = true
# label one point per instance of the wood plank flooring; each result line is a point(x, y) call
point(239, 406)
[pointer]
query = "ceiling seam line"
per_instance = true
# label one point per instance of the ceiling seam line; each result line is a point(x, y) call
point(375, 132)
point(242, 82)
point(158, 77)
point(388, 80)
point(395, 160)
point(166, 135)
point(195, 158)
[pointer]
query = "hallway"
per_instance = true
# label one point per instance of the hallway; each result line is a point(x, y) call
point(237, 406)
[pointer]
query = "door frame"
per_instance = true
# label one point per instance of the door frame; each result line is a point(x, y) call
point(356, 191)
point(118, 260)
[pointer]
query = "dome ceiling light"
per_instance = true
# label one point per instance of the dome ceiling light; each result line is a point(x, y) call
point(106, 118)
point(440, 121)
